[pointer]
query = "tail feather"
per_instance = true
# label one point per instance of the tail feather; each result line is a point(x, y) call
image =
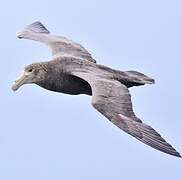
point(139, 78)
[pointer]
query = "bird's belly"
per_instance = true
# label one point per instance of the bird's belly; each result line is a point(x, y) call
point(69, 85)
point(74, 85)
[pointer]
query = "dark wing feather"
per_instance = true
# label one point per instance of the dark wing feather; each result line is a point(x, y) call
point(113, 100)
point(60, 46)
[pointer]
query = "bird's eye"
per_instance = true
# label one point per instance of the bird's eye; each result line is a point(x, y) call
point(30, 70)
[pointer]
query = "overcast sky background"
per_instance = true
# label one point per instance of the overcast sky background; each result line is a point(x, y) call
point(46, 135)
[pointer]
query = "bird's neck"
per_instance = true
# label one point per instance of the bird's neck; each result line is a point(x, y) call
point(53, 79)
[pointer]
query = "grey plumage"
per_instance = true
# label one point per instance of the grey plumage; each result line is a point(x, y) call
point(60, 45)
point(73, 71)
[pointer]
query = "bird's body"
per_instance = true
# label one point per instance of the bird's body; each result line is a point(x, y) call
point(73, 71)
point(59, 79)
point(67, 84)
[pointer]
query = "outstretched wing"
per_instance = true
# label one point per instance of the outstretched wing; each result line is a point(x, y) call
point(59, 45)
point(113, 100)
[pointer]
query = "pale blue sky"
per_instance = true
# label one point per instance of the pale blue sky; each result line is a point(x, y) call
point(46, 135)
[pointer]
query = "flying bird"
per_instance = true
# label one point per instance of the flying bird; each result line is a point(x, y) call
point(73, 70)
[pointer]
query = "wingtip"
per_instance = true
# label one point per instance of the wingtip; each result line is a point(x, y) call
point(178, 155)
point(36, 27)
point(174, 153)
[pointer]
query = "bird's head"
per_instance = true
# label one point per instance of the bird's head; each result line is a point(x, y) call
point(33, 73)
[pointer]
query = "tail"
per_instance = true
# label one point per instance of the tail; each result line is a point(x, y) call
point(137, 78)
